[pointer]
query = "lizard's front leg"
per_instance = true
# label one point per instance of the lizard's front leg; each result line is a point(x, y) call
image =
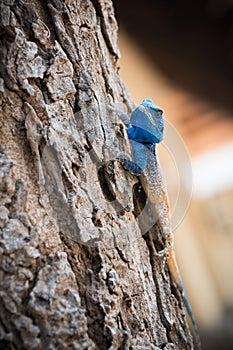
point(129, 165)
point(138, 165)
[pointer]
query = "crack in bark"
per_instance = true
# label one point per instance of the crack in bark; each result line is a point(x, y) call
point(97, 330)
point(100, 14)
point(63, 38)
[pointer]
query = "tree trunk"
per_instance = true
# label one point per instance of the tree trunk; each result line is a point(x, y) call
point(76, 271)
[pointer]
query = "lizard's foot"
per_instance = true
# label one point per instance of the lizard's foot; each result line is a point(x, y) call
point(132, 167)
point(163, 256)
point(163, 253)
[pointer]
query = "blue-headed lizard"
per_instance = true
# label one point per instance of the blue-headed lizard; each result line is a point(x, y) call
point(145, 128)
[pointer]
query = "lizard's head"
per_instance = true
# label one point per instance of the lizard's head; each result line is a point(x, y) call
point(147, 122)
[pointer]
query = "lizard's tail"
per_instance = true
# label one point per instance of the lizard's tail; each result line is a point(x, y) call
point(190, 313)
point(173, 267)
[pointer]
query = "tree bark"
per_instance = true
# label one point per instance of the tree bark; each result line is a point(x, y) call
point(76, 271)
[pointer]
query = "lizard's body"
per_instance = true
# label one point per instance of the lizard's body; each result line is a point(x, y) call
point(145, 129)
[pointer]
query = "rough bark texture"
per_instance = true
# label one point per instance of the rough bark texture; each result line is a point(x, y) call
point(75, 270)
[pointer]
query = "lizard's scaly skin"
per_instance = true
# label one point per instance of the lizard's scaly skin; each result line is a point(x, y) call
point(145, 129)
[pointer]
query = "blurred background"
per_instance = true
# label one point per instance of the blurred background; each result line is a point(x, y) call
point(180, 54)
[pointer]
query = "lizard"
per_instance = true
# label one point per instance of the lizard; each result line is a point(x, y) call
point(145, 128)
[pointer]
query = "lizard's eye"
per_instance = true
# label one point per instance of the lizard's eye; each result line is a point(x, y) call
point(158, 113)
